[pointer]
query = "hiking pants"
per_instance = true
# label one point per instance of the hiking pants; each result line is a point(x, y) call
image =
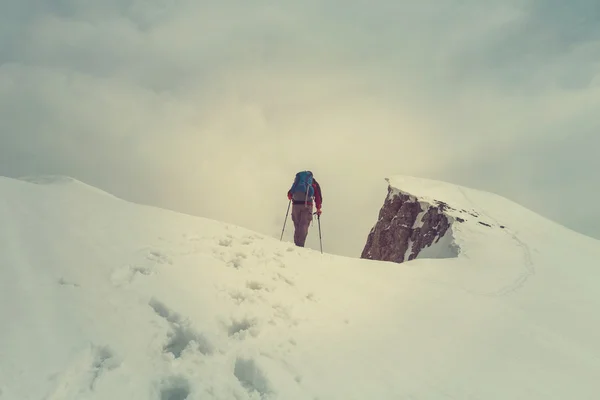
point(302, 217)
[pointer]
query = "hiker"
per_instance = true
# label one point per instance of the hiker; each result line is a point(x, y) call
point(304, 190)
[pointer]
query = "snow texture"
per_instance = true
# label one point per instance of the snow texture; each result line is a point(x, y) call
point(106, 299)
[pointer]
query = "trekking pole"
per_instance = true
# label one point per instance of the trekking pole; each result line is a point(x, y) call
point(320, 240)
point(285, 221)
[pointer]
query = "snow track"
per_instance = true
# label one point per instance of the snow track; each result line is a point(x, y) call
point(528, 269)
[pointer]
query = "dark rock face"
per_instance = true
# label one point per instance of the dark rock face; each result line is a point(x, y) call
point(402, 226)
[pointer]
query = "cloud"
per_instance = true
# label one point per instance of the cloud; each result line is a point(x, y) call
point(211, 107)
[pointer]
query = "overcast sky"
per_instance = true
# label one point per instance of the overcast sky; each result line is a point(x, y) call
point(210, 108)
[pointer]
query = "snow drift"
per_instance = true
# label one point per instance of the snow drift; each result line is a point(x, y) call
point(105, 299)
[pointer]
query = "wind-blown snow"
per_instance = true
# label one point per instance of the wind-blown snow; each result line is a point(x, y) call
point(105, 299)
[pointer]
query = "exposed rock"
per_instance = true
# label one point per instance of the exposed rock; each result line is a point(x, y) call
point(405, 227)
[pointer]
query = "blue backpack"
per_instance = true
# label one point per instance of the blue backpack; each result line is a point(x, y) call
point(303, 184)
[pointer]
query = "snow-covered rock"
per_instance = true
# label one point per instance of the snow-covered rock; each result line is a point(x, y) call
point(423, 218)
point(105, 299)
point(408, 227)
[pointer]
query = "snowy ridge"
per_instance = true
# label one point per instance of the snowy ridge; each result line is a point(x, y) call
point(62, 180)
point(468, 203)
point(458, 209)
point(473, 233)
point(485, 225)
point(106, 299)
point(473, 230)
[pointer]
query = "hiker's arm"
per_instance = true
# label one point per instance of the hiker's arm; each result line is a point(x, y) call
point(318, 195)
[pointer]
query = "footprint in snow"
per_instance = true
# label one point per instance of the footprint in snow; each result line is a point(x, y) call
point(159, 257)
point(311, 296)
point(276, 262)
point(84, 372)
point(240, 328)
point(227, 242)
point(64, 282)
point(259, 253)
point(174, 388)
point(237, 261)
point(251, 377)
point(283, 278)
point(181, 335)
point(125, 274)
point(238, 296)
point(282, 312)
point(255, 285)
point(147, 264)
point(219, 254)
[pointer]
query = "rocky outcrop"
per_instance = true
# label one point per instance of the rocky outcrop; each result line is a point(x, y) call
point(407, 228)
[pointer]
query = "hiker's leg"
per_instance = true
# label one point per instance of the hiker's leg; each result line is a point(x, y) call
point(304, 223)
point(296, 217)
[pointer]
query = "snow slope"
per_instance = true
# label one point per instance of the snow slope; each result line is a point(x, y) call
point(105, 299)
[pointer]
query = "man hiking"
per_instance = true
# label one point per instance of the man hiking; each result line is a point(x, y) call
point(304, 190)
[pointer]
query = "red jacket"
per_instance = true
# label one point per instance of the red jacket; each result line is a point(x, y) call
point(318, 195)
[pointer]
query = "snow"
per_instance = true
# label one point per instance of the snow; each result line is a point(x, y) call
point(418, 224)
point(105, 299)
point(444, 247)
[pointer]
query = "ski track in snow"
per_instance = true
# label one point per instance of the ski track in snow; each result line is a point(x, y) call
point(522, 278)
